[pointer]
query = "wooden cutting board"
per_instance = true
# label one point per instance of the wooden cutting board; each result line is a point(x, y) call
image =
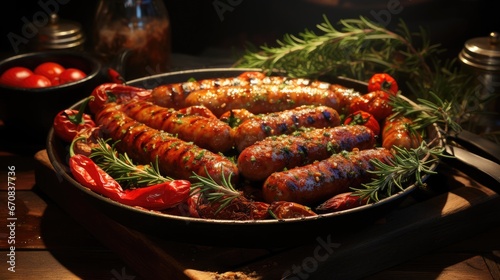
point(453, 208)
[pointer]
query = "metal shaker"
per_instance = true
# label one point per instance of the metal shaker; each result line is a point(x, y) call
point(481, 57)
point(60, 34)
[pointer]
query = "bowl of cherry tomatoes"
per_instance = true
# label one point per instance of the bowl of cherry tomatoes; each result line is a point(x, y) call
point(34, 87)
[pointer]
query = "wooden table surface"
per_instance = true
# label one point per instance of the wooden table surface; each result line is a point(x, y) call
point(51, 244)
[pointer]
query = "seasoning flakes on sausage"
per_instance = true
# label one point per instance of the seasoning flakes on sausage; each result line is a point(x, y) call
point(176, 158)
point(207, 132)
point(283, 122)
point(279, 153)
point(314, 183)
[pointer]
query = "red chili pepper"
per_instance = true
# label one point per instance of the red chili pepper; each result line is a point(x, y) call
point(157, 197)
point(90, 175)
point(363, 118)
point(68, 123)
point(112, 92)
point(341, 202)
point(115, 77)
point(383, 81)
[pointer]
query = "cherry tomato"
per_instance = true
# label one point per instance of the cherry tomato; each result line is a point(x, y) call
point(71, 75)
point(55, 81)
point(363, 118)
point(376, 103)
point(36, 81)
point(50, 70)
point(14, 76)
point(383, 81)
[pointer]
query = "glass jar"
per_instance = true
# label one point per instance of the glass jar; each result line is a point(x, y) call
point(133, 36)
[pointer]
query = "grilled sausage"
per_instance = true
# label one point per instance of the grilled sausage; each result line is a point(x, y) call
point(274, 154)
point(174, 95)
point(176, 158)
point(235, 117)
point(207, 132)
point(314, 183)
point(253, 91)
point(266, 98)
point(284, 122)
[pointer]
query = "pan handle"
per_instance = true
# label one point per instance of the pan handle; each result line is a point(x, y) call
point(486, 166)
point(478, 145)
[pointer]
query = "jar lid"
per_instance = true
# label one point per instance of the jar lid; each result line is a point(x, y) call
point(482, 53)
point(60, 34)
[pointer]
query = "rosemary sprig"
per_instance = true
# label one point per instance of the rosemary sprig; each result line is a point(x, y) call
point(214, 192)
point(411, 165)
point(123, 170)
point(407, 166)
point(426, 112)
point(357, 48)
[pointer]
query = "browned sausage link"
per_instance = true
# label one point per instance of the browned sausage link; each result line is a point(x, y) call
point(284, 122)
point(176, 158)
point(314, 183)
point(265, 98)
point(235, 117)
point(274, 154)
point(174, 95)
point(209, 133)
point(198, 110)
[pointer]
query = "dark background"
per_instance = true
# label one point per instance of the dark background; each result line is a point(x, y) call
point(198, 28)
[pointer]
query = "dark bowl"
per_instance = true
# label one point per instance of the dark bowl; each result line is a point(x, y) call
point(30, 112)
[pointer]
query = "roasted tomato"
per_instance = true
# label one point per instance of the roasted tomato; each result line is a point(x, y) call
point(398, 132)
point(287, 210)
point(238, 209)
point(384, 82)
point(363, 118)
point(376, 103)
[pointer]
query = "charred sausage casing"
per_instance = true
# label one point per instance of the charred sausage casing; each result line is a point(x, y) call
point(274, 154)
point(266, 98)
point(315, 183)
point(176, 158)
point(284, 122)
point(255, 92)
point(174, 95)
point(207, 132)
